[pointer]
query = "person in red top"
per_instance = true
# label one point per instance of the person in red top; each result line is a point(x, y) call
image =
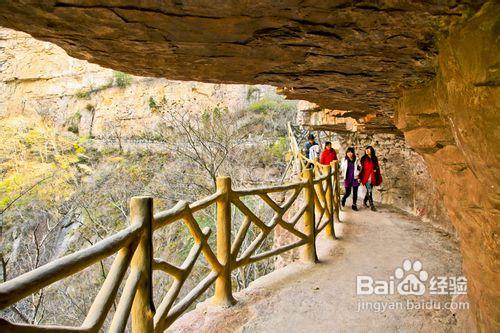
point(370, 174)
point(328, 154)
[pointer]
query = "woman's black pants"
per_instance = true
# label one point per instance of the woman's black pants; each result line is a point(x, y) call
point(348, 193)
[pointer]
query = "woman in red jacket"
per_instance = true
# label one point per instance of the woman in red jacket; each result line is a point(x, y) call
point(370, 174)
point(328, 154)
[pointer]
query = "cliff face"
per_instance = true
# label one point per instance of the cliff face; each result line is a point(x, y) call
point(454, 125)
point(40, 78)
point(407, 183)
point(348, 55)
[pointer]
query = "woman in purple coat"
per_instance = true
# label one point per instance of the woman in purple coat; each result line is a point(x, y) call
point(350, 172)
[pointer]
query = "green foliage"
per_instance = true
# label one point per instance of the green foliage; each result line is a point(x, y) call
point(280, 147)
point(88, 188)
point(253, 92)
point(73, 122)
point(152, 103)
point(86, 93)
point(214, 117)
point(271, 115)
point(122, 80)
point(83, 94)
point(37, 162)
point(268, 106)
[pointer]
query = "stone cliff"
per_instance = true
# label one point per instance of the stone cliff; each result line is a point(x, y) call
point(454, 125)
point(40, 78)
point(407, 183)
point(348, 55)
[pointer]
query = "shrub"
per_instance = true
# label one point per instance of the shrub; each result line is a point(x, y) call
point(73, 122)
point(152, 103)
point(83, 94)
point(253, 92)
point(274, 114)
point(279, 148)
point(122, 80)
point(263, 106)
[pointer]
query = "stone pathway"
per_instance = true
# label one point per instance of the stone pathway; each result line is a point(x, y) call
point(322, 297)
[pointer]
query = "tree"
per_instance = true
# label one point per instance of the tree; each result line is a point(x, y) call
point(207, 141)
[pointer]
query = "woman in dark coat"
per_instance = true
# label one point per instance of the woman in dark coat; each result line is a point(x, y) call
point(370, 175)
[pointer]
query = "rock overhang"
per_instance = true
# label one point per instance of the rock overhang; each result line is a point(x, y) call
point(341, 55)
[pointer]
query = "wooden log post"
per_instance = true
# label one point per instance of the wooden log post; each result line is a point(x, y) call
point(309, 249)
point(329, 229)
point(141, 211)
point(336, 197)
point(223, 295)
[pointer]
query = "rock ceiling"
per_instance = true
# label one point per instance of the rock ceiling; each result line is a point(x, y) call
point(349, 55)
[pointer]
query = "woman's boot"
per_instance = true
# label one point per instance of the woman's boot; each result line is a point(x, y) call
point(365, 200)
point(372, 206)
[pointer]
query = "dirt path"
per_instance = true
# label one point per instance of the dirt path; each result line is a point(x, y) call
point(322, 297)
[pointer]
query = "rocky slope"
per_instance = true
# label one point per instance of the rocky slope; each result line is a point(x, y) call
point(61, 191)
point(40, 78)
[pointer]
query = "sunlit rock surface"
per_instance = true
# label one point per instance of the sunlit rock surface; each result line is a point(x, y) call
point(454, 124)
point(40, 78)
point(347, 55)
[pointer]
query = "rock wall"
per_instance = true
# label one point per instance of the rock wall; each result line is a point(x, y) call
point(351, 55)
point(454, 124)
point(39, 77)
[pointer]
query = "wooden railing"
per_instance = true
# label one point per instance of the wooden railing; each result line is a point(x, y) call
point(134, 253)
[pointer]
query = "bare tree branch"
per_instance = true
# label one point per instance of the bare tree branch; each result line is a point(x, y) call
point(23, 193)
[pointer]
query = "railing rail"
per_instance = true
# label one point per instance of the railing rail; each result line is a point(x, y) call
point(134, 249)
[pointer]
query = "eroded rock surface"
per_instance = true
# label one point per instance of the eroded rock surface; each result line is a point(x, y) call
point(406, 184)
point(39, 78)
point(349, 55)
point(454, 123)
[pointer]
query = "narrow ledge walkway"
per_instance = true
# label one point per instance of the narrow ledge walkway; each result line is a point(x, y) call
point(322, 297)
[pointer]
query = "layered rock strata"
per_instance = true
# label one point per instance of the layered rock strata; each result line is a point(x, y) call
point(38, 77)
point(348, 55)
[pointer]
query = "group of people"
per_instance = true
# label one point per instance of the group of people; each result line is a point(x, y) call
point(366, 171)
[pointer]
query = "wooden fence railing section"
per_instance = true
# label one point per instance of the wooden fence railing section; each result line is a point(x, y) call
point(134, 253)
